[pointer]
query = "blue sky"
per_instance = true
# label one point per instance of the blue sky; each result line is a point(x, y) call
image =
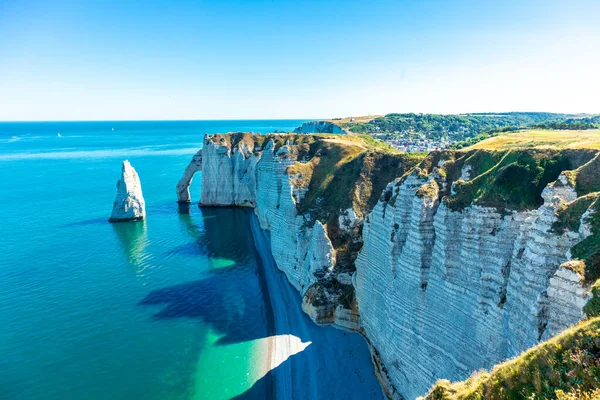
point(76, 60)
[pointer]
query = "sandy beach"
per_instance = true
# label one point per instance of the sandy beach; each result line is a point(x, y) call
point(305, 360)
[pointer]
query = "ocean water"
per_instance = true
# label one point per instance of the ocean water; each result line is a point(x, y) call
point(162, 309)
point(169, 308)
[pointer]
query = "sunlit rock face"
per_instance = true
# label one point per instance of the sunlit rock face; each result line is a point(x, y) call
point(443, 293)
point(319, 127)
point(257, 177)
point(440, 293)
point(129, 204)
point(183, 187)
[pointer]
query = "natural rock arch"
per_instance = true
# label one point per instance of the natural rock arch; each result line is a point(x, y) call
point(183, 187)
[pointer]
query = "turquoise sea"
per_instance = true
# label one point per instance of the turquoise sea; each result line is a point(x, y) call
point(169, 308)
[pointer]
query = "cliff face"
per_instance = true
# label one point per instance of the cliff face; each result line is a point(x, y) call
point(463, 261)
point(319, 127)
point(444, 292)
point(273, 174)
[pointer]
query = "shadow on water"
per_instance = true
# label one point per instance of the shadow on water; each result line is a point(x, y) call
point(220, 235)
point(225, 298)
point(156, 209)
point(334, 364)
point(183, 208)
point(93, 221)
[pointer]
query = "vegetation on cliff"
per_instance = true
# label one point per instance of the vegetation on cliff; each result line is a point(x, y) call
point(504, 179)
point(565, 367)
point(505, 174)
point(346, 173)
point(569, 214)
point(337, 173)
point(510, 173)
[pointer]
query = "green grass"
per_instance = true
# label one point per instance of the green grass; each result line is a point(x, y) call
point(509, 180)
point(541, 138)
point(504, 179)
point(588, 250)
point(346, 172)
point(567, 364)
point(569, 215)
point(587, 177)
point(339, 172)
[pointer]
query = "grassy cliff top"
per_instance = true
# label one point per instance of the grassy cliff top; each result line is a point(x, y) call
point(336, 173)
point(508, 179)
point(565, 367)
point(359, 120)
point(300, 141)
point(539, 138)
point(514, 180)
point(348, 122)
point(346, 172)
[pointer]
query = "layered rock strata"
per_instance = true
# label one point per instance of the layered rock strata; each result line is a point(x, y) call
point(443, 293)
point(256, 176)
point(252, 171)
point(129, 203)
point(439, 290)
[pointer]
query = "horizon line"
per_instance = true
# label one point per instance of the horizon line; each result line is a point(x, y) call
point(294, 119)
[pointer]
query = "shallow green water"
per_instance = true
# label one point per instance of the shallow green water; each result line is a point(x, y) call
point(168, 308)
point(163, 309)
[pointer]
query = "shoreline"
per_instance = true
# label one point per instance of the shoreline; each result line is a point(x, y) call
point(302, 357)
point(268, 365)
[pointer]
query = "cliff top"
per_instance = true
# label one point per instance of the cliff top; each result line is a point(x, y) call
point(335, 173)
point(565, 367)
point(306, 144)
point(347, 123)
point(515, 180)
point(542, 138)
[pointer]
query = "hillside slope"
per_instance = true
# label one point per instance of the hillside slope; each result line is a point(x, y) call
point(566, 367)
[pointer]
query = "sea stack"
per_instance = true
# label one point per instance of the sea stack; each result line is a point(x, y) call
point(129, 204)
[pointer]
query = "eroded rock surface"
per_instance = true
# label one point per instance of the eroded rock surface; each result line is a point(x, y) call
point(129, 204)
point(183, 187)
point(439, 290)
point(443, 293)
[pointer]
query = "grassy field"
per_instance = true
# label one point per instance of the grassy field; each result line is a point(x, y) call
point(358, 120)
point(346, 124)
point(552, 139)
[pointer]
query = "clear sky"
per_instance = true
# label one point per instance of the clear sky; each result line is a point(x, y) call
point(98, 60)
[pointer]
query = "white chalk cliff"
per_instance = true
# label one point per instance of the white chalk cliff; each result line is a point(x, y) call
point(443, 293)
point(183, 187)
point(129, 204)
point(319, 127)
point(440, 292)
point(244, 176)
